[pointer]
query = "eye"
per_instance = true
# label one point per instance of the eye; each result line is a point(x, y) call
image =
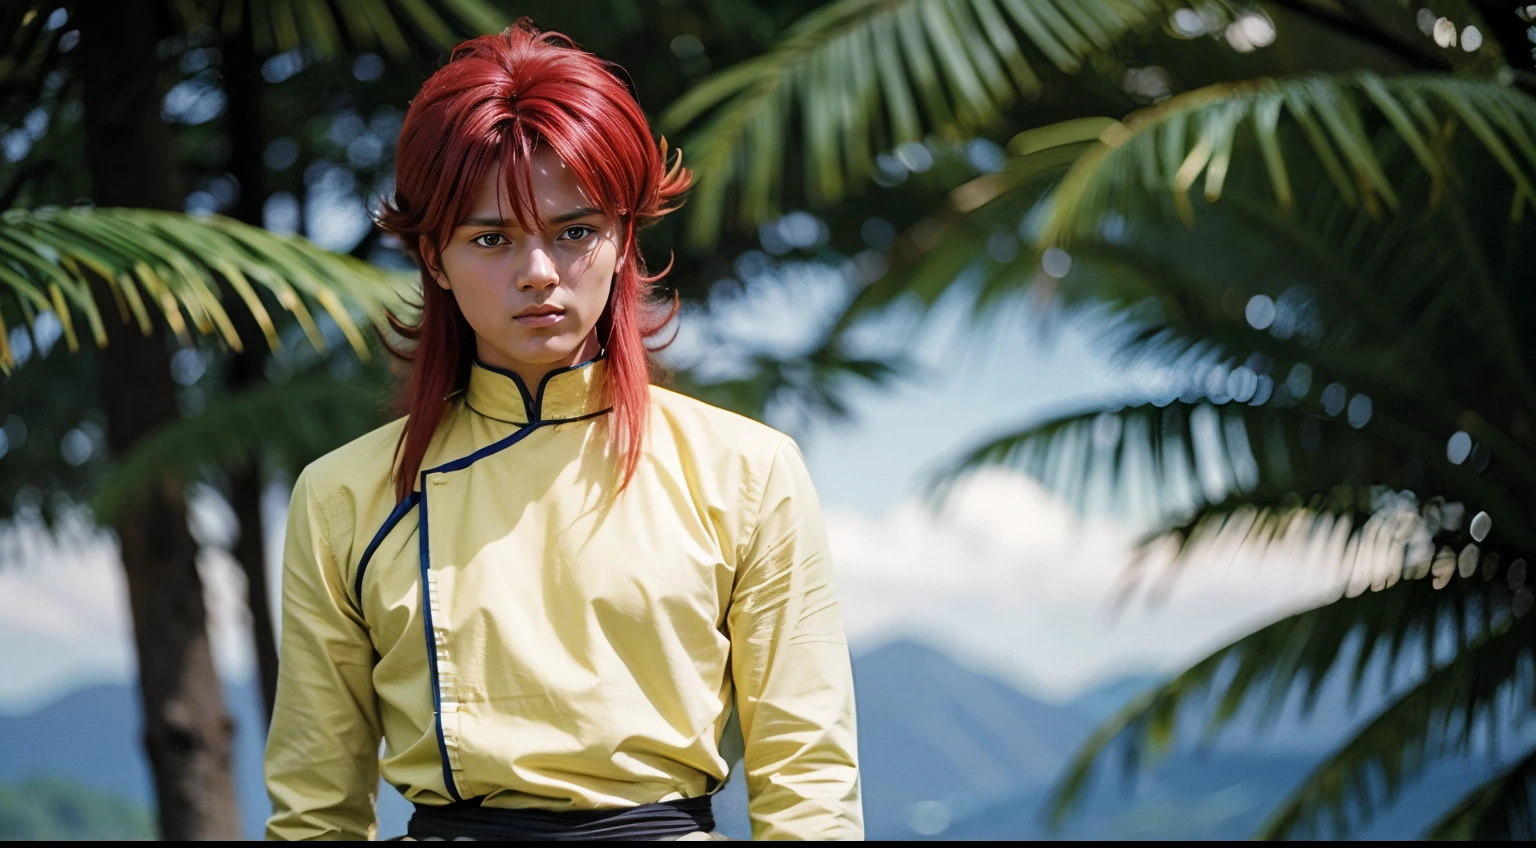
point(489, 240)
point(581, 232)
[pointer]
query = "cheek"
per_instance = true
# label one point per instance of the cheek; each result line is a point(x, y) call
point(471, 278)
point(595, 272)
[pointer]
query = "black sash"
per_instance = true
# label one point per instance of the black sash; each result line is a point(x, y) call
point(468, 819)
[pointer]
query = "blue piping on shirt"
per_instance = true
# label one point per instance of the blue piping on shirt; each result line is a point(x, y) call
point(389, 524)
point(426, 591)
point(534, 406)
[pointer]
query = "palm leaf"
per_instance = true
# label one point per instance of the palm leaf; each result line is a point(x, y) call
point(813, 385)
point(1186, 454)
point(1139, 172)
point(188, 270)
point(978, 219)
point(329, 28)
point(862, 76)
point(1167, 149)
point(1434, 719)
point(292, 422)
point(1499, 810)
point(1296, 655)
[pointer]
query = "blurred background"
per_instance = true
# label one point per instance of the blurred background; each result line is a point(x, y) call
point(1165, 368)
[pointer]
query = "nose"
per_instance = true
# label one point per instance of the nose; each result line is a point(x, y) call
point(537, 272)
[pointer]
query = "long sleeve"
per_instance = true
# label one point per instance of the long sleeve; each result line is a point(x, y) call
point(322, 749)
point(789, 658)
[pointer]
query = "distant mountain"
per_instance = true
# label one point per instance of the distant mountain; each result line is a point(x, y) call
point(51, 809)
point(947, 753)
point(92, 737)
point(1108, 698)
point(933, 731)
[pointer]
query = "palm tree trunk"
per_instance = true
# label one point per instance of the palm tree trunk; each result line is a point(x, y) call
point(243, 87)
point(187, 731)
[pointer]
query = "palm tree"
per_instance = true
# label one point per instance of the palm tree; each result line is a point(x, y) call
point(1333, 260)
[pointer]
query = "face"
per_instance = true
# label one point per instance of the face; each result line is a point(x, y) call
point(533, 299)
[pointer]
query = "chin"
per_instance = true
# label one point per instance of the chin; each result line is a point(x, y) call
point(544, 351)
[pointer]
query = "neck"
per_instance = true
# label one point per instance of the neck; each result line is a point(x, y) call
point(532, 373)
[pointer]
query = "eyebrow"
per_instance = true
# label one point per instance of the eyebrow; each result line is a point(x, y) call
point(579, 212)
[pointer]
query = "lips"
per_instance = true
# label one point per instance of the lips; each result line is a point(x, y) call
point(540, 316)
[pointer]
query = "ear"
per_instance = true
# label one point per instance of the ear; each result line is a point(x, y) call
point(431, 260)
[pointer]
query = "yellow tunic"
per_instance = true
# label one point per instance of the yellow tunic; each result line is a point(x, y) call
point(515, 632)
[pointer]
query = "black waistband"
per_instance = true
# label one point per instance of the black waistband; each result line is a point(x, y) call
point(468, 819)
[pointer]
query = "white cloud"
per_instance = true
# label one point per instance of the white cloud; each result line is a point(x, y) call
point(64, 618)
point(1008, 578)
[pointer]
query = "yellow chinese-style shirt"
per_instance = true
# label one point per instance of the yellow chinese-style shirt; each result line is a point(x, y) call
point(514, 631)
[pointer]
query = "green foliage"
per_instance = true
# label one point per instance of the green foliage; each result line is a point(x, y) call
point(43, 808)
point(182, 267)
point(861, 76)
point(1342, 120)
point(1499, 810)
point(815, 384)
point(289, 423)
point(396, 27)
point(1332, 267)
point(1411, 301)
point(1434, 717)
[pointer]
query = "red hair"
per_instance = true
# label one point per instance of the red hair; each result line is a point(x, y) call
point(498, 98)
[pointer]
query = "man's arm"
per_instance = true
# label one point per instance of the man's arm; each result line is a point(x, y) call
point(789, 657)
point(322, 758)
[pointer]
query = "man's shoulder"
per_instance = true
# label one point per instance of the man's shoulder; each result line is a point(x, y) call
point(364, 464)
point(720, 427)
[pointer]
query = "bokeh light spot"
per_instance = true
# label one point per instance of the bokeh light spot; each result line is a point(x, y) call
point(1481, 524)
point(1260, 311)
point(1458, 447)
point(1188, 23)
point(1333, 397)
point(1299, 381)
point(1359, 411)
point(1445, 33)
point(1056, 262)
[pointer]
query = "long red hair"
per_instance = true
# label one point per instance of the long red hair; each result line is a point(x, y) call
point(497, 99)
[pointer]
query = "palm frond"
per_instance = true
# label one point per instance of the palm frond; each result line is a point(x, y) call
point(1166, 150)
point(395, 27)
point(977, 225)
point(1186, 454)
point(186, 269)
point(1436, 718)
point(1499, 810)
point(30, 48)
point(813, 385)
point(297, 420)
point(1346, 131)
point(1294, 656)
point(863, 76)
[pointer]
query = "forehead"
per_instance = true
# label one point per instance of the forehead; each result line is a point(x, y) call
point(554, 187)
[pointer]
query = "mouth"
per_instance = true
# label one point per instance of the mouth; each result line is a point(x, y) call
point(540, 316)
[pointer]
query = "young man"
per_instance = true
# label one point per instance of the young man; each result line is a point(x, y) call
point(547, 586)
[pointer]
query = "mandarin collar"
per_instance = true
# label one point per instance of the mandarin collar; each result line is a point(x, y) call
point(565, 394)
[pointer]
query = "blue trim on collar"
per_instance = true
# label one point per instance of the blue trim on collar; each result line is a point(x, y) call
point(533, 404)
point(522, 388)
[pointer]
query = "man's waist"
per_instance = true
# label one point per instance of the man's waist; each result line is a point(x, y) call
point(469, 819)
